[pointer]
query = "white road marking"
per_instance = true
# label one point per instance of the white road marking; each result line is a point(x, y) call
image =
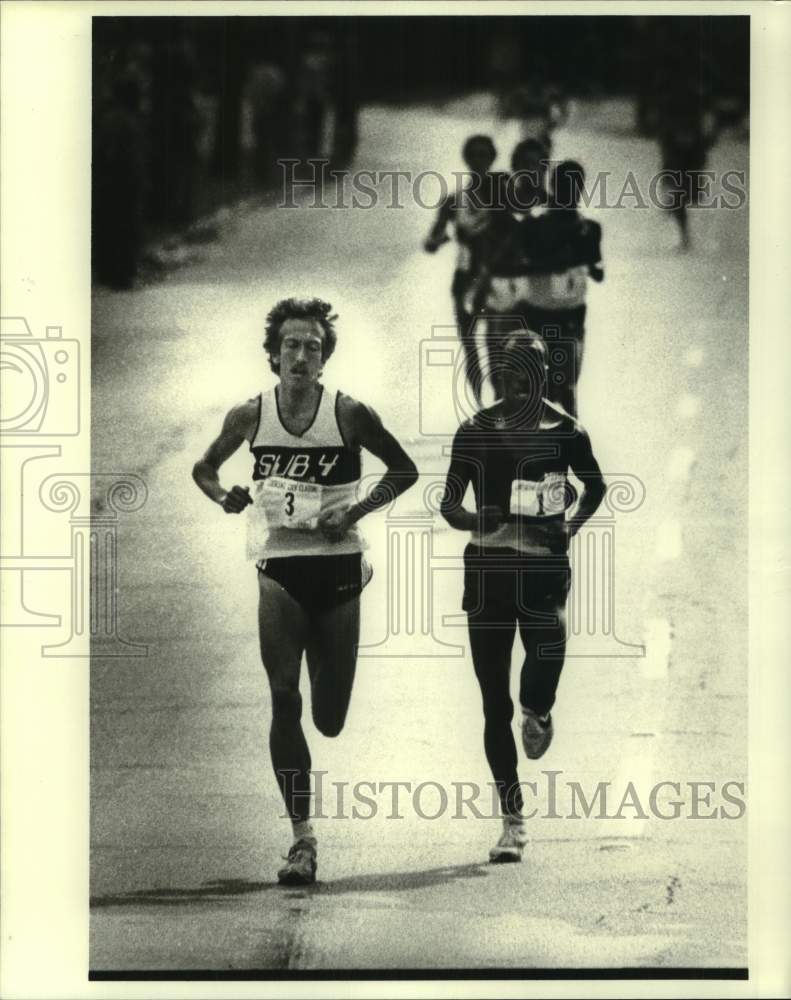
point(668, 541)
point(680, 462)
point(658, 641)
point(688, 406)
point(637, 769)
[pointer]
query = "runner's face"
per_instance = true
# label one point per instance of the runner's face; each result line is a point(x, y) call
point(479, 159)
point(523, 381)
point(300, 351)
point(517, 385)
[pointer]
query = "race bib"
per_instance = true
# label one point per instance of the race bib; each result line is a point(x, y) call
point(288, 503)
point(546, 498)
point(570, 286)
point(507, 293)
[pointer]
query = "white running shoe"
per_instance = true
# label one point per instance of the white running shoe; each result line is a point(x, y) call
point(537, 733)
point(512, 842)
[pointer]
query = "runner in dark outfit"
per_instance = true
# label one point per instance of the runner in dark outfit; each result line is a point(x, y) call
point(517, 455)
point(471, 212)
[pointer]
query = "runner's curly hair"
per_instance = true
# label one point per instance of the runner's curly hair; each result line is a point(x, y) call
point(316, 309)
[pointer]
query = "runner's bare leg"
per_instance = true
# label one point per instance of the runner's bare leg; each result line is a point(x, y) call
point(283, 627)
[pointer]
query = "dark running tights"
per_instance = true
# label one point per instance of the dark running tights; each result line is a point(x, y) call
point(545, 647)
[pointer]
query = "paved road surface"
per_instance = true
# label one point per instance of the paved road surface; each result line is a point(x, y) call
point(185, 830)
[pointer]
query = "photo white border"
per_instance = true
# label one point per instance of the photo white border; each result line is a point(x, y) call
point(46, 66)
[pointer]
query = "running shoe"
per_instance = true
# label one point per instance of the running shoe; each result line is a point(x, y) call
point(509, 847)
point(300, 867)
point(537, 733)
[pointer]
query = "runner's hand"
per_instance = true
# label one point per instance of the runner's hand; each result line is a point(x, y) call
point(534, 548)
point(334, 524)
point(546, 539)
point(490, 517)
point(431, 245)
point(596, 272)
point(236, 499)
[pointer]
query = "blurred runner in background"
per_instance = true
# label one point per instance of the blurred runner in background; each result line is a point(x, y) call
point(535, 277)
point(562, 249)
point(500, 287)
point(472, 212)
point(266, 92)
point(686, 132)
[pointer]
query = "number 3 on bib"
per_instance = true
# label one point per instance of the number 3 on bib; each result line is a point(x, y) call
point(289, 504)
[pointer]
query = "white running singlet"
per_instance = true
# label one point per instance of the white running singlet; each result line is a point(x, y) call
point(296, 478)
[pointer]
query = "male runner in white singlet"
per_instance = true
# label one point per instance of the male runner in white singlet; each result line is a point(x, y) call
point(303, 535)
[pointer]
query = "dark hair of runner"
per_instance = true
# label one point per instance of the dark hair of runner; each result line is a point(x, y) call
point(521, 350)
point(526, 151)
point(315, 309)
point(478, 140)
point(568, 180)
point(524, 357)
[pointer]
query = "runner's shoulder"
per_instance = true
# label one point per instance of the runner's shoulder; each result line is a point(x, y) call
point(354, 417)
point(479, 423)
point(556, 420)
point(242, 419)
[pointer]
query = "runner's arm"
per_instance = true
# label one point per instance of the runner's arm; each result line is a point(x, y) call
point(452, 504)
point(206, 469)
point(438, 232)
point(592, 234)
point(370, 433)
point(585, 467)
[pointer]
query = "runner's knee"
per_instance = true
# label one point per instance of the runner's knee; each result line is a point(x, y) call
point(286, 702)
point(329, 721)
point(498, 707)
point(329, 727)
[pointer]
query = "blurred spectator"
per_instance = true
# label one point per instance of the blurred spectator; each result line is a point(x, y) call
point(232, 69)
point(504, 66)
point(346, 97)
point(312, 102)
point(685, 129)
point(530, 105)
point(266, 93)
point(175, 125)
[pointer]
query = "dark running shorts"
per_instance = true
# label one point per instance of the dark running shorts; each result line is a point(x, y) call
point(319, 583)
point(502, 585)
